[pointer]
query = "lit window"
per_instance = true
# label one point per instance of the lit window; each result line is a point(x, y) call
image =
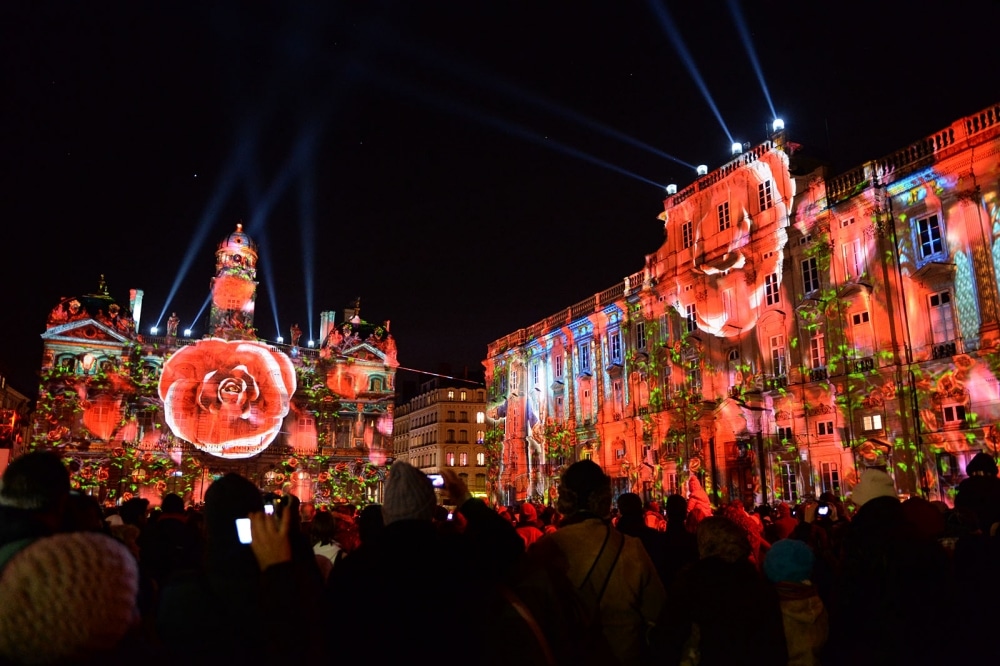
point(451, 395)
point(616, 348)
point(929, 231)
point(765, 198)
point(450, 458)
point(480, 417)
point(810, 275)
point(771, 288)
point(640, 335)
point(463, 459)
point(873, 422)
point(480, 436)
point(942, 319)
point(723, 210)
point(461, 396)
point(687, 233)
point(481, 459)
point(778, 355)
point(691, 318)
point(817, 351)
point(830, 475)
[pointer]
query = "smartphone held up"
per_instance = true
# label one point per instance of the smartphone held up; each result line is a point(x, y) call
point(243, 530)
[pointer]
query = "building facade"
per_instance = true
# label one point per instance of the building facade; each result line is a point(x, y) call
point(793, 328)
point(137, 415)
point(445, 427)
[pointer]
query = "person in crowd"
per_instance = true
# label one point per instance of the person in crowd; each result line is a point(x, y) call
point(548, 520)
point(721, 609)
point(631, 521)
point(784, 523)
point(169, 543)
point(322, 533)
point(654, 517)
point(736, 513)
point(370, 525)
point(699, 506)
point(461, 582)
point(892, 585)
point(76, 592)
point(788, 565)
point(609, 574)
point(527, 524)
point(680, 545)
point(247, 601)
point(307, 511)
point(979, 494)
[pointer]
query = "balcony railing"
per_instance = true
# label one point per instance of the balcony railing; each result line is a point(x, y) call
point(945, 349)
point(775, 383)
point(817, 374)
point(866, 364)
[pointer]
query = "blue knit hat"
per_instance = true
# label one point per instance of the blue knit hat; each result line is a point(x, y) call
point(789, 561)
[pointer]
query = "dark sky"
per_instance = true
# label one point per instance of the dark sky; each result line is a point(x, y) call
point(466, 168)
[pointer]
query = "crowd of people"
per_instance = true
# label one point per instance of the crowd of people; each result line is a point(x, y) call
point(594, 579)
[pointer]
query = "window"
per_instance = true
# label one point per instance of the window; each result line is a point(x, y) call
point(640, 335)
point(687, 234)
point(872, 422)
point(451, 439)
point(559, 366)
point(451, 414)
point(789, 482)
point(765, 198)
point(785, 434)
point(513, 379)
point(691, 318)
point(461, 396)
point(817, 351)
point(724, 221)
point(771, 288)
point(846, 222)
point(463, 417)
point(463, 436)
point(534, 374)
point(480, 417)
point(616, 348)
point(584, 350)
point(480, 436)
point(942, 320)
point(670, 483)
point(503, 383)
point(451, 395)
point(929, 231)
point(463, 459)
point(810, 275)
point(777, 355)
point(861, 333)
point(830, 478)
point(559, 408)
point(954, 415)
point(481, 459)
point(853, 263)
point(693, 378)
point(824, 428)
point(727, 303)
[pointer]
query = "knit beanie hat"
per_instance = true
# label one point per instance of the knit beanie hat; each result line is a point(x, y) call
point(409, 494)
point(789, 561)
point(874, 483)
point(67, 598)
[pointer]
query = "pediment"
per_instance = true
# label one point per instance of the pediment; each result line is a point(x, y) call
point(364, 352)
point(84, 330)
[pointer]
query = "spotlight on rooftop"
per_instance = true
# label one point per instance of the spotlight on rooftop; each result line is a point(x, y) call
point(737, 148)
point(702, 170)
point(671, 189)
point(152, 330)
point(778, 125)
point(312, 344)
point(187, 332)
point(280, 339)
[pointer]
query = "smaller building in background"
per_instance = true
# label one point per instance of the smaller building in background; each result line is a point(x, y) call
point(445, 426)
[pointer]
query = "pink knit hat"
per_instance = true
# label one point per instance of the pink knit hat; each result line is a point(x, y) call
point(67, 598)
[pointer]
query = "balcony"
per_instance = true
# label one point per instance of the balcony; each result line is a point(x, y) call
point(817, 375)
point(866, 364)
point(775, 383)
point(944, 349)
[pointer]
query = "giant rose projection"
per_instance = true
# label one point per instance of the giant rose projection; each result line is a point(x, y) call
point(228, 398)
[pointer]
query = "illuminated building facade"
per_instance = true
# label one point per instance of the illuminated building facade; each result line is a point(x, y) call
point(140, 416)
point(445, 426)
point(793, 329)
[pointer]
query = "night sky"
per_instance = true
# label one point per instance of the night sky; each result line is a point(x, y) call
point(466, 168)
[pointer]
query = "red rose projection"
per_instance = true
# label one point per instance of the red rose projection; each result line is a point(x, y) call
point(227, 398)
point(102, 415)
point(232, 292)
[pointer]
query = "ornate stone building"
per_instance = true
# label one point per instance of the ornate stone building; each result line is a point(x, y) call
point(794, 327)
point(136, 415)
